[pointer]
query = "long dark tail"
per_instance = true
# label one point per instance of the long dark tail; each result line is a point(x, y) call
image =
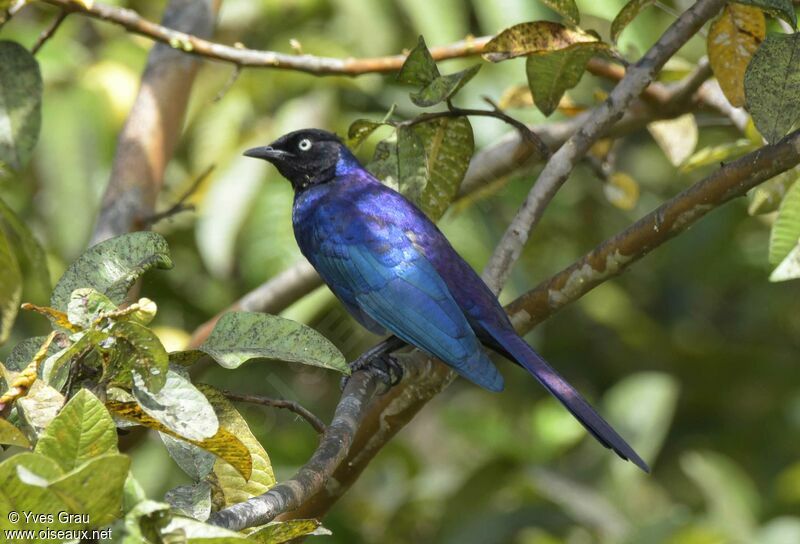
point(569, 397)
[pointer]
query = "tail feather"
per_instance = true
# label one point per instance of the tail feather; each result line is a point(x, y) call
point(570, 398)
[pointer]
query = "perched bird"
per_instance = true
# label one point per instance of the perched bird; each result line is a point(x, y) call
point(394, 270)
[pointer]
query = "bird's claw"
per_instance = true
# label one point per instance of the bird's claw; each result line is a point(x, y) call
point(386, 367)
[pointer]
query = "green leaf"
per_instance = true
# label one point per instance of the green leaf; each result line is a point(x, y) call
point(279, 532)
point(566, 8)
point(179, 406)
point(144, 522)
point(778, 8)
point(20, 104)
point(149, 359)
point(95, 488)
point(717, 154)
point(132, 493)
point(360, 130)
point(449, 145)
point(234, 488)
point(30, 255)
point(384, 161)
point(55, 368)
point(86, 305)
point(194, 461)
point(241, 336)
point(82, 430)
point(224, 444)
point(112, 266)
point(191, 531)
point(193, 501)
point(627, 14)
point(536, 37)
point(789, 268)
point(767, 197)
point(10, 287)
point(35, 483)
point(10, 435)
point(552, 73)
point(785, 232)
point(412, 170)
point(443, 87)
point(772, 86)
point(18, 496)
point(419, 67)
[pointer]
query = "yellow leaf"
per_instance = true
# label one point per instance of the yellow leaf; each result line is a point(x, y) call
point(56, 317)
point(677, 137)
point(536, 37)
point(622, 191)
point(517, 96)
point(732, 40)
point(232, 486)
point(224, 444)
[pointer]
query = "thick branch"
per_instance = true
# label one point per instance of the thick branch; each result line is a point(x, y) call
point(193, 44)
point(676, 215)
point(153, 127)
point(334, 446)
point(561, 164)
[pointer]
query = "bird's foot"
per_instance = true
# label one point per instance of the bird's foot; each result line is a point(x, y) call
point(385, 367)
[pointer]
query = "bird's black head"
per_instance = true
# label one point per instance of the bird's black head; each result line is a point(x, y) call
point(305, 157)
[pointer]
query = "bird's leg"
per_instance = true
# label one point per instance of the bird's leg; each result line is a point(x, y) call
point(378, 359)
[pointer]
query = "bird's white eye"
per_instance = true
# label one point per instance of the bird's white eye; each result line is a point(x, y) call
point(304, 145)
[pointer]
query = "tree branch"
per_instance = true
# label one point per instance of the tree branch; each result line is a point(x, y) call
point(560, 165)
point(193, 44)
point(614, 255)
point(334, 446)
point(49, 31)
point(290, 405)
point(154, 124)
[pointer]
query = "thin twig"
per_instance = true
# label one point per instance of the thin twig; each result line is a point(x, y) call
point(180, 205)
point(49, 31)
point(453, 111)
point(237, 71)
point(290, 405)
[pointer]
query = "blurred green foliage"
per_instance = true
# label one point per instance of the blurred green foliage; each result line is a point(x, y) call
point(693, 353)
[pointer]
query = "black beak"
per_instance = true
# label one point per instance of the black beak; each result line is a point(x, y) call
point(268, 153)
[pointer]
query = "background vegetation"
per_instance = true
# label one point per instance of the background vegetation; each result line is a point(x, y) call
point(692, 353)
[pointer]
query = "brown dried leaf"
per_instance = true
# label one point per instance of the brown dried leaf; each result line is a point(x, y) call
point(732, 40)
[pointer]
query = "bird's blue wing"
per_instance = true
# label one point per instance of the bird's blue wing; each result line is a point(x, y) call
point(396, 286)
